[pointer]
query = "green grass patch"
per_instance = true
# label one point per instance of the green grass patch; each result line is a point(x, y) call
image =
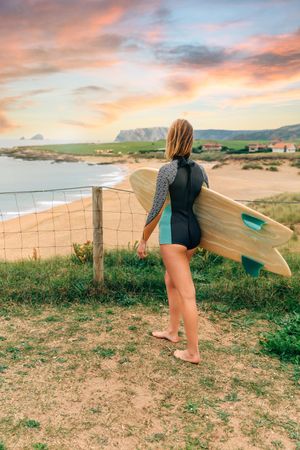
point(272, 168)
point(273, 163)
point(107, 149)
point(220, 283)
point(222, 286)
point(285, 207)
point(296, 163)
point(148, 149)
point(284, 342)
point(104, 352)
point(252, 166)
point(31, 423)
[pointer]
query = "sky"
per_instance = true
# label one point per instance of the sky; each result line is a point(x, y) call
point(86, 69)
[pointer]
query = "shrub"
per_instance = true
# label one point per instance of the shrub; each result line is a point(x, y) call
point(251, 165)
point(83, 252)
point(285, 342)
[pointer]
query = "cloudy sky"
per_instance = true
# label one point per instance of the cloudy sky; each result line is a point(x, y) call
point(85, 69)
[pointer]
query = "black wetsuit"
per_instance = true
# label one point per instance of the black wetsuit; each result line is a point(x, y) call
point(182, 178)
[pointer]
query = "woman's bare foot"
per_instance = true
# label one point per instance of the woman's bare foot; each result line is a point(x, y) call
point(185, 355)
point(166, 335)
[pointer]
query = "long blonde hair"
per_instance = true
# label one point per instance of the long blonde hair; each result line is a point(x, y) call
point(179, 140)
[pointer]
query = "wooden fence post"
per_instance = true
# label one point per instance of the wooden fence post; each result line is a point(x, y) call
point(98, 256)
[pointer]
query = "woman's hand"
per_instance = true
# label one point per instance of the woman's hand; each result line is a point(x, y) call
point(141, 250)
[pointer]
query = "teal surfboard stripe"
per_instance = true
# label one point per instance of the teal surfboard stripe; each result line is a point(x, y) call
point(251, 266)
point(165, 236)
point(253, 222)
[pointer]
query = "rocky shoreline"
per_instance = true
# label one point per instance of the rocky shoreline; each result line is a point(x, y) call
point(32, 154)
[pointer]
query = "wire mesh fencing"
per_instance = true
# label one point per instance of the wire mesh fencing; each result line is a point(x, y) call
point(45, 223)
point(39, 224)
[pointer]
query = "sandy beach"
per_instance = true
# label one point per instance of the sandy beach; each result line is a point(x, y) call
point(53, 231)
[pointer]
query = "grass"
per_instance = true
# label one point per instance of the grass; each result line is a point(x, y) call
point(295, 163)
point(252, 166)
point(285, 342)
point(272, 168)
point(112, 148)
point(79, 368)
point(155, 149)
point(284, 207)
point(263, 158)
point(273, 163)
point(108, 389)
point(130, 281)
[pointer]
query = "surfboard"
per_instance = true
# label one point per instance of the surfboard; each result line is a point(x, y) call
point(229, 228)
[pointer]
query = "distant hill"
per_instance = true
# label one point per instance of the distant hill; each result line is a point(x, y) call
point(142, 134)
point(37, 136)
point(288, 132)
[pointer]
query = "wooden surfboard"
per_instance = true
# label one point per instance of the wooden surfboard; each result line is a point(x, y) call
point(229, 228)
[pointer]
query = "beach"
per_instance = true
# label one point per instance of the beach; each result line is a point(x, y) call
point(53, 231)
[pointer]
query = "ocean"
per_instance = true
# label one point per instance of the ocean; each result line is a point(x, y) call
point(10, 143)
point(18, 176)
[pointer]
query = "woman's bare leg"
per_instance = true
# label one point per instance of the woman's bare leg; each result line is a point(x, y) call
point(176, 261)
point(175, 308)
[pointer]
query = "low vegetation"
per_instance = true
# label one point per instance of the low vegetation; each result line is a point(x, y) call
point(273, 162)
point(296, 163)
point(285, 207)
point(285, 341)
point(272, 168)
point(130, 281)
point(252, 166)
point(235, 150)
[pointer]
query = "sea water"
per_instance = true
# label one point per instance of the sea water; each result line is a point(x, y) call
point(33, 185)
point(10, 143)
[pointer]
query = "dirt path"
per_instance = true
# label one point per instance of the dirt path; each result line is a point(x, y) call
point(93, 377)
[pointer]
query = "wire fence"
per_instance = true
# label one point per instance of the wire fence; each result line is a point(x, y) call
point(45, 223)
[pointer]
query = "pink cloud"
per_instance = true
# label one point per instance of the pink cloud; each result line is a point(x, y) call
point(212, 27)
point(267, 97)
point(75, 31)
point(42, 37)
point(7, 103)
point(177, 89)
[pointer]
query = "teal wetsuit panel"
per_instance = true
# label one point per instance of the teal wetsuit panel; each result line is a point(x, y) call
point(182, 179)
point(165, 236)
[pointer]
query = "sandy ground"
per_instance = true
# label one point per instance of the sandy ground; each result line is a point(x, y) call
point(53, 231)
point(57, 372)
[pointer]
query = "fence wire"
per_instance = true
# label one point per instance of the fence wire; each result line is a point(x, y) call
point(45, 223)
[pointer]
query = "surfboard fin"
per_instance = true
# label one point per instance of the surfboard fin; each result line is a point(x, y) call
point(251, 266)
point(253, 222)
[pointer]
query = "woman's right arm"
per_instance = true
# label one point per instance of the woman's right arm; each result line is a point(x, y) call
point(205, 177)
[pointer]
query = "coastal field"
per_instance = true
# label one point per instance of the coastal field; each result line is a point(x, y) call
point(266, 176)
point(147, 148)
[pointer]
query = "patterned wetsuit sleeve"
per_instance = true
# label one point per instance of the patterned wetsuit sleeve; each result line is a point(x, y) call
point(204, 175)
point(161, 192)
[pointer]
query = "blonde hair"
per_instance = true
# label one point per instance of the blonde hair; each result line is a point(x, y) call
point(179, 140)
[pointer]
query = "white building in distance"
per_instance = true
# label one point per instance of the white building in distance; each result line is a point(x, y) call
point(283, 147)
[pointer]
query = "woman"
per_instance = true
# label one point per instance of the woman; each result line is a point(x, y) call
point(179, 234)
